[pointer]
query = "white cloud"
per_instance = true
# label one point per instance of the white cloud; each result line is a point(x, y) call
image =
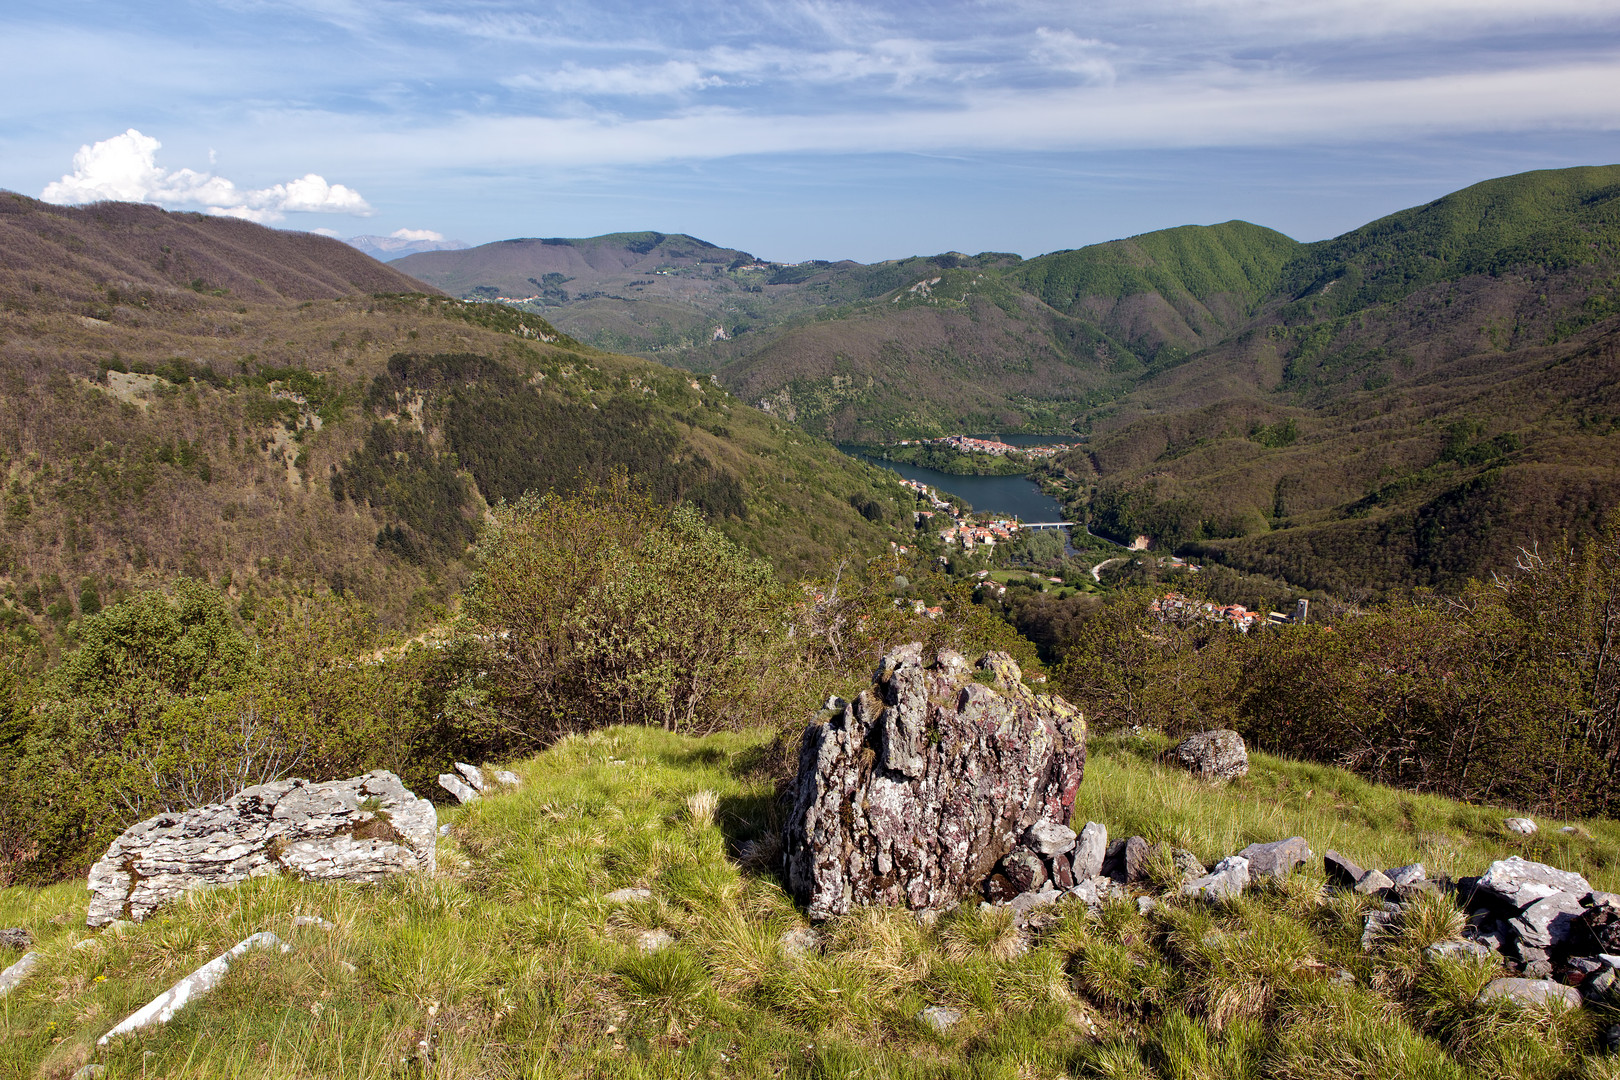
point(1206, 107)
point(124, 168)
point(333, 233)
point(417, 235)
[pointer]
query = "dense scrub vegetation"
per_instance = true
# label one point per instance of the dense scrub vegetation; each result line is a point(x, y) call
point(1509, 692)
point(605, 606)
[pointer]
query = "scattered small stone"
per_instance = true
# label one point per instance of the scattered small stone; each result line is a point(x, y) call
point(940, 1017)
point(1517, 883)
point(1024, 870)
point(1062, 873)
point(628, 896)
point(1278, 858)
point(1047, 837)
point(1521, 825)
point(1089, 851)
point(1575, 830)
point(1531, 992)
point(311, 920)
point(1549, 922)
point(507, 778)
point(1145, 905)
point(1373, 882)
point(1137, 854)
point(1341, 870)
point(801, 941)
point(456, 786)
point(1028, 901)
point(1188, 866)
point(926, 917)
point(1406, 875)
point(651, 941)
point(13, 976)
point(1229, 878)
point(16, 937)
point(1459, 950)
point(90, 1072)
point(1344, 977)
point(1214, 755)
point(1376, 928)
point(161, 1009)
point(444, 830)
point(346, 966)
point(1086, 893)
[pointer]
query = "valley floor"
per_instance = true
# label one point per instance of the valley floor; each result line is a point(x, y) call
point(514, 961)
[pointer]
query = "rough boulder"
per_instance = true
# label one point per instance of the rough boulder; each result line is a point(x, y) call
point(365, 829)
point(1214, 755)
point(915, 790)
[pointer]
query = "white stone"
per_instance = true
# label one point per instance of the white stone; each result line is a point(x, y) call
point(799, 942)
point(1229, 878)
point(312, 920)
point(473, 775)
point(16, 973)
point(1521, 825)
point(366, 829)
point(651, 941)
point(507, 778)
point(458, 787)
point(940, 1017)
point(1531, 992)
point(161, 1009)
point(1090, 850)
point(628, 896)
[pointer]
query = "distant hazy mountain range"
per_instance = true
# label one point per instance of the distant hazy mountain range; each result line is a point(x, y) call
point(385, 248)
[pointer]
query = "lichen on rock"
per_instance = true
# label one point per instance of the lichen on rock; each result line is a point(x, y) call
point(913, 792)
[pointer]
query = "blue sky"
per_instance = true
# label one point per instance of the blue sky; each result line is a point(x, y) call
point(802, 130)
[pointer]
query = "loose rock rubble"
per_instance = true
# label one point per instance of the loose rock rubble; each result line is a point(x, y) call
point(365, 829)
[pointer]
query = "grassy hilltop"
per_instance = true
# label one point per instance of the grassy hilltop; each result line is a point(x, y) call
point(511, 963)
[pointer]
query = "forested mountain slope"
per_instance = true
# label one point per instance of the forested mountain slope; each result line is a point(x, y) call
point(271, 411)
point(1416, 400)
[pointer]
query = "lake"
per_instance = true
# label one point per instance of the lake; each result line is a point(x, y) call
point(1016, 496)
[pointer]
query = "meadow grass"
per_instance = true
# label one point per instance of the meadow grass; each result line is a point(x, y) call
point(512, 962)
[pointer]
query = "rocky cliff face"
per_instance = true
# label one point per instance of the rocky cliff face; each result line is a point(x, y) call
point(914, 791)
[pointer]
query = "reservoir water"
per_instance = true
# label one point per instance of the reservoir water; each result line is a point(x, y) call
point(1014, 495)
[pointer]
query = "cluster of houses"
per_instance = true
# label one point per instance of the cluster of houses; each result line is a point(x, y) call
point(967, 444)
point(1175, 605)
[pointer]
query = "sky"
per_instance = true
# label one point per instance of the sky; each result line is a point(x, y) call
point(800, 129)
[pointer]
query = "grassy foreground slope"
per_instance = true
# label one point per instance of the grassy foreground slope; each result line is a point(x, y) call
point(511, 963)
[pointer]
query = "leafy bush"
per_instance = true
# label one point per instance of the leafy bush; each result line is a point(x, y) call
point(605, 607)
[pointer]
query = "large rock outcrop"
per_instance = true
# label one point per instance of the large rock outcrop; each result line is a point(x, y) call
point(365, 829)
point(916, 789)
